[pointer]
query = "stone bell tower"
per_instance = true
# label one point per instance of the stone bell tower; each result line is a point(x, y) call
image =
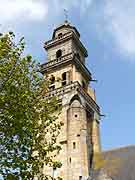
point(70, 81)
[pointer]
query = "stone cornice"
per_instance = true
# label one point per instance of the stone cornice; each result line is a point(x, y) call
point(74, 86)
point(56, 63)
point(57, 40)
point(64, 60)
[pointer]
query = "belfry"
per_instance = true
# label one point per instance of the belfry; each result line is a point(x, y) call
point(70, 81)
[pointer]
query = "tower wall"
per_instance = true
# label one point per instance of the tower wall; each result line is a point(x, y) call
point(96, 135)
point(66, 48)
point(79, 137)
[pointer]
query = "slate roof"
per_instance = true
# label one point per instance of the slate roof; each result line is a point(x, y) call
point(126, 165)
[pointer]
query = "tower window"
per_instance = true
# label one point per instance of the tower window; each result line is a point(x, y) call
point(80, 177)
point(59, 53)
point(52, 81)
point(74, 145)
point(83, 85)
point(76, 115)
point(64, 78)
point(70, 159)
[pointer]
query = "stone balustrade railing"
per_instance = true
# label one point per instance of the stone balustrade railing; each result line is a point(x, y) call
point(62, 90)
point(64, 58)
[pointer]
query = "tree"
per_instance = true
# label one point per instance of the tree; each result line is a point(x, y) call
point(27, 118)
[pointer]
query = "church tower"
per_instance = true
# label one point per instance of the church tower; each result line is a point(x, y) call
point(70, 82)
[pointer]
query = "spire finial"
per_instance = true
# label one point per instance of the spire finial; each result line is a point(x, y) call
point(66, 15)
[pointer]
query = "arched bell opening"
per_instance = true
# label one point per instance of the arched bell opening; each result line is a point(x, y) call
point(59, 54)
point(52, 83)
point(64, 79)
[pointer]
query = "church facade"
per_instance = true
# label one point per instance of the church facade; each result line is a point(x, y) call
point(70, 82)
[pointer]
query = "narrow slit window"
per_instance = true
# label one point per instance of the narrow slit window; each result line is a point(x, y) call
point(70, 159)
point(80, 177)
point(74, 145)
point(52, 83)
point(52, 79)
point(83, 85)
point(64, 79)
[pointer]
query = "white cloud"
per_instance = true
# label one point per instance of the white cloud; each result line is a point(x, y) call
point(111, 17)
point(115, 18)
point(12, 10)
point(119, 21)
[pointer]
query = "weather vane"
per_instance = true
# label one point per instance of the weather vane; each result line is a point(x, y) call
point(66, 15)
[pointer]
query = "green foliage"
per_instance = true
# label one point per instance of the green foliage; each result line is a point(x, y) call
point(28, 125)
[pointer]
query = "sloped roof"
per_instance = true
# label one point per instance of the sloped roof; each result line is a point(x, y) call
point(126, 165)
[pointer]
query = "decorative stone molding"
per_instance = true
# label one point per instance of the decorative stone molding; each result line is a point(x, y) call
point(64, 60)
point(59, 92)
point(57, 40)
point(65, 37)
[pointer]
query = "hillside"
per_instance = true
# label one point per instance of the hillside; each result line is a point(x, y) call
point(126, 166)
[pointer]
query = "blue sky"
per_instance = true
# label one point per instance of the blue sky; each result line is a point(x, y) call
point(108, 31)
